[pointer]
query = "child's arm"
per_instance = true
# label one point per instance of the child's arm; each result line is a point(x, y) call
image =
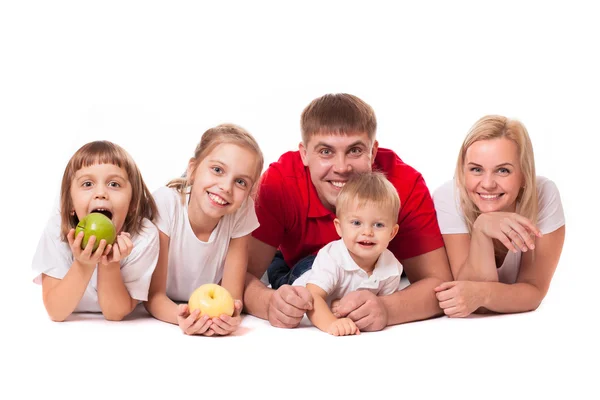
point(113, 296)
point(61, 296)
point(322, 318)
point(234, 276)
point(161, 307)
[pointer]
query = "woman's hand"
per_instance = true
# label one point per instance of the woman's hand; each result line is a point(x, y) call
point(460, 298)
point(509, 228)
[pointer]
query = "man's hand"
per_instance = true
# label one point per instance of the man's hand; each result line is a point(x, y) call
point(364, 308)
point(288, 305)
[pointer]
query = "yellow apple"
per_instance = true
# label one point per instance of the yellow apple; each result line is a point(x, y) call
point(212, 300)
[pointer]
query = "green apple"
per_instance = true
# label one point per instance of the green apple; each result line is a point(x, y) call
point(99, 225)
point(212, 300)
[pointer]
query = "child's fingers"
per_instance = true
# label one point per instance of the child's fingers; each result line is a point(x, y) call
point(200, 326)
point(89, 248)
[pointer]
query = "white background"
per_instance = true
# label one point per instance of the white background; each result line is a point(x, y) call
point(153, 76)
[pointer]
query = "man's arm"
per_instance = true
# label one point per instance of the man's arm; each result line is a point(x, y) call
point(415, 302)
point(283, 307)
point(418, 301)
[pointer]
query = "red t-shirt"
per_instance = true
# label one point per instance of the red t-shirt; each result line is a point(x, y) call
point(293, 219)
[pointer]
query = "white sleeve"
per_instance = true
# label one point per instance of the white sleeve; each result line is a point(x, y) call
point(245, 220)
point(52, 257)
point(166, 201)
point(390, 286)
point(324, 272)
point(550, 214)
point(450, 217)
point(137, 267)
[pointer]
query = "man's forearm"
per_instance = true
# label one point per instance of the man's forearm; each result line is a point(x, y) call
point(414, 303)
point(256, 297)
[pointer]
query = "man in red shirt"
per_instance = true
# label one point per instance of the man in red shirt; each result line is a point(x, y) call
point(296, 208)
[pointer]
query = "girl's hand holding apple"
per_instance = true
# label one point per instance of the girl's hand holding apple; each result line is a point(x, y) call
point(121, 248)
point(87, 256)
point(192, 323)
point(225, 324)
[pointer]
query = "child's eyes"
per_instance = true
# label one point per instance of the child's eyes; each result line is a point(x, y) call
point(218, 170)
point(355, 223)
point(114, 184)
point(379, 225)
point(241, 182)
point(87, 184)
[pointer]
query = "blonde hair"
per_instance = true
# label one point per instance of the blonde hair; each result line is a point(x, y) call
point(369, 187)
point(337, 114)
point(213, 137)
point(494, 127)
point(142, 204)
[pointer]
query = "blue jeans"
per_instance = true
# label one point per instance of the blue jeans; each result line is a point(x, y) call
point(280, 274)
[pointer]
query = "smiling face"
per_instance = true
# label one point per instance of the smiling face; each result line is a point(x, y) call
point(493, 176)
point(366, 231)
point(331, 159)
point(103, 188)
point(221, 183)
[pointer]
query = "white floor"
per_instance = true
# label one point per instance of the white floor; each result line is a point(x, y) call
point(549, 352)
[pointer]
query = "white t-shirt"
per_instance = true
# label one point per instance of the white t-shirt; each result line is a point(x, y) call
point(451, 219)
point(53, 257)
point(337, 273)
point(193, 262)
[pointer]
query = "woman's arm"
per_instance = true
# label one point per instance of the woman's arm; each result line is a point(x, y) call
point(535, 275)
point(61, 296)
point(158, 304)
point(461, 298)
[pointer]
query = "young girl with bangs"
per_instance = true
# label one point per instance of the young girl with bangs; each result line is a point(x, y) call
point(113, 279)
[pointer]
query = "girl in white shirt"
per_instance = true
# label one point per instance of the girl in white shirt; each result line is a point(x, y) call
point(205, 221)
point(503, 226)
point(100, 177)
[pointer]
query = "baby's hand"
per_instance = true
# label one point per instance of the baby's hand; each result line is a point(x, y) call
point(343, 327)
point(87, 256)
point(224, 324)
point(120, 249)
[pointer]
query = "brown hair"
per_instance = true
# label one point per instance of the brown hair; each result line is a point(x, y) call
point(221, 134)
point(142, 204)
point(337, 114)
point(494, 127)
point(369, 187)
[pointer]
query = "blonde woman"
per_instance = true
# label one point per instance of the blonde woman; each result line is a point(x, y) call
point(503, 226)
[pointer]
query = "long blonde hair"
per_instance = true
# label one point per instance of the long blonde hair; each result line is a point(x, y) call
point(142, 203)
point(493, 127)
point(213, 137)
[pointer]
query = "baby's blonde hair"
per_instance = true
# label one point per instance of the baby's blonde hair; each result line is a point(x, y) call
point(369, 187)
